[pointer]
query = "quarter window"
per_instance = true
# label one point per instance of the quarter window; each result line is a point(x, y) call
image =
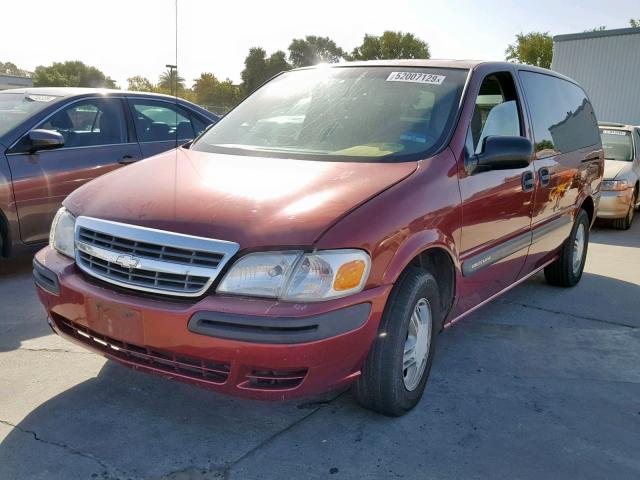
point(88, 123)
point(162, 121)
point(561, 114)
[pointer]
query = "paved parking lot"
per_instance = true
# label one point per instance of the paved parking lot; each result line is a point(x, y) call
point(543, 383)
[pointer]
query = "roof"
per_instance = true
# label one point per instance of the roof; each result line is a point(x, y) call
point(597, 34)
point(444, 63)
point(74, 91)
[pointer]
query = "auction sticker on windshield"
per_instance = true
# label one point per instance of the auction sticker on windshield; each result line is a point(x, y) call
point(416, 77)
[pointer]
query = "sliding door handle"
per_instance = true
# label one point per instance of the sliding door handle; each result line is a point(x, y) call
point(545, 176)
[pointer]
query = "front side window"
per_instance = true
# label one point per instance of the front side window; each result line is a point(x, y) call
point(561, 114)
point(496, 112)
point(617, 144)
point(161, 121)
point(343, 113)
point(15, 108)
point(91, 122)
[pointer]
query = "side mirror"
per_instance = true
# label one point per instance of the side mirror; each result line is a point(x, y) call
point(45, 140)
point(502, 153)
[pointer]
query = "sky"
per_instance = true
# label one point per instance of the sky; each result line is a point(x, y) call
point(124, 38)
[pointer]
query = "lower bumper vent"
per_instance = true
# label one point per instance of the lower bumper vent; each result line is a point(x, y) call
point(274, 379)
point(197, 369)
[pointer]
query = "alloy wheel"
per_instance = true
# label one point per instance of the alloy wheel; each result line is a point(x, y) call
point(417, 344)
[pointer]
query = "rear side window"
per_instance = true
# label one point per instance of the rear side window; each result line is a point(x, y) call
point(561, 114)
point(161, 121)
point(637, 139)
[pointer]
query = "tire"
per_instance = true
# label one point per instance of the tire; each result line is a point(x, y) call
point(625, 222)
point(385, 386)
point(564, 272)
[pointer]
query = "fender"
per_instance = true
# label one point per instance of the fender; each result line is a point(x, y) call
point(415, 245)
point(9, 227)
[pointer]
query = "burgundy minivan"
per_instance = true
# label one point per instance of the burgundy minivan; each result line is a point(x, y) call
point(329, 227)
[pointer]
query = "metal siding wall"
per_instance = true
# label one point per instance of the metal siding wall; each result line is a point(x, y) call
point(608, 68)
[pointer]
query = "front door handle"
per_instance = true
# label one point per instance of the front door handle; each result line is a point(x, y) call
point(528, 181)
point(545, 176)
point(126, 160)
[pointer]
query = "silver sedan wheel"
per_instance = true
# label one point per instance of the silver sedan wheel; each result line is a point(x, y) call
point(578, 248)
point(417, 344)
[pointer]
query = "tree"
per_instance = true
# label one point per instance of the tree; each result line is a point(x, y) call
point(71, 74)
point(210, 92)
point(168, 81)
point(9, 68)
point(634, 23)
point(140, 84)
point(313, 50)
point(391, 45)
point(258, 69)
point(534, 48)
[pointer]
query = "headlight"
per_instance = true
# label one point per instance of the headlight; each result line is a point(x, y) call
point(615, 185)
point(62, 235)
point(298, 276)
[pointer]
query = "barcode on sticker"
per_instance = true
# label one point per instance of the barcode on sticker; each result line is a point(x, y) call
point(615, 132)
point(416, 77)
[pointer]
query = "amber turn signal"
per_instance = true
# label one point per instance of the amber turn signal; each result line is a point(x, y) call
point(349, 275)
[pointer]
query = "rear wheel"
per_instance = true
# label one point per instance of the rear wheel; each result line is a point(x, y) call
point(566, 271)
point(398, 365)
point(625, 222)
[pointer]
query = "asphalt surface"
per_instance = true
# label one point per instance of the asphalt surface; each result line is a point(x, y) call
point(543, 383)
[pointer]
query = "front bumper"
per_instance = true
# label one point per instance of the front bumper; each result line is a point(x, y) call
point(249, 347)
point(615, 204)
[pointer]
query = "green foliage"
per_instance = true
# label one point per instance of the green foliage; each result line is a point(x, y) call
point(167, 82)
point(216, 95)
point(390, 45)
point(634, 23)
point(258, 68)
point(534, 48)
point(9, 68)
point(313, 50)
point(140, 84)
point(71, 74)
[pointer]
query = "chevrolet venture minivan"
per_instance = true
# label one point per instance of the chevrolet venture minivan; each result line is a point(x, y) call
point(329, 227)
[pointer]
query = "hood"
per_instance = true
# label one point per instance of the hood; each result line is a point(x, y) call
point(255, 201)
point(614, 168)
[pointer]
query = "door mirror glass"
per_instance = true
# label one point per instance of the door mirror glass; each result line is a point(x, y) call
point(502, 153)
point(45, 139)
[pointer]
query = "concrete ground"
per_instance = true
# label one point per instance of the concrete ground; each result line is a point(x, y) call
point(543, 383)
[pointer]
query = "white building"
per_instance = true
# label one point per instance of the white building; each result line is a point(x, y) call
point(11, 81)
point(607, 65)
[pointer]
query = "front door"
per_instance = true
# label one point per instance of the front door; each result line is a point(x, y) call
point(96, 142)
point(496, 205)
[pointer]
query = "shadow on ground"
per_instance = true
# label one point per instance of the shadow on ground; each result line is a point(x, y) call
point(518, 390)
point(21, 315)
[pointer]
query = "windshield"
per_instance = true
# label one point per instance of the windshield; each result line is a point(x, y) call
point(343, 113)
point(617, 145)
point(17, 107)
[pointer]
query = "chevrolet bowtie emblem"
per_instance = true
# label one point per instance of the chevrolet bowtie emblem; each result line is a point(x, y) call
point(127, 261)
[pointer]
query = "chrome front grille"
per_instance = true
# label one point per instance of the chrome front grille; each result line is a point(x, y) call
point(148, 259)
point(149, 250)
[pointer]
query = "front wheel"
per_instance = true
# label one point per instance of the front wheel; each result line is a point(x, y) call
point(398, 365)
point(625, 222)
point(567, 270)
